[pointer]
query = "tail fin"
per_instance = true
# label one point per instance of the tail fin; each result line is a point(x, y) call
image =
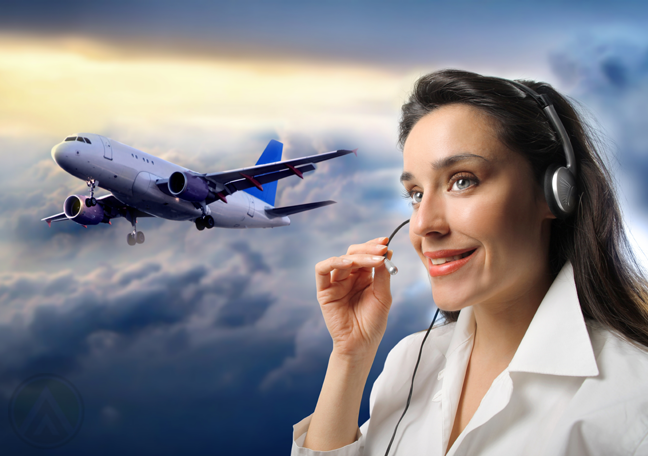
point(289, 210)
point(271, 154)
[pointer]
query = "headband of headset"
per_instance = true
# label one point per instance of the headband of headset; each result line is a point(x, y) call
point(559, 181)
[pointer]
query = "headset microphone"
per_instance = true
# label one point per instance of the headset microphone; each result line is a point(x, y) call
point(391, 267)
point(393, 270)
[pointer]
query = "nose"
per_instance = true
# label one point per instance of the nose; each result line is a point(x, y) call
point(429, 217)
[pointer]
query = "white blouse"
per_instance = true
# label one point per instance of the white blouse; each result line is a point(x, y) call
point(572, 388)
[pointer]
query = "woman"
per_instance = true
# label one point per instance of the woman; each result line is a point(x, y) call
point(544, 350)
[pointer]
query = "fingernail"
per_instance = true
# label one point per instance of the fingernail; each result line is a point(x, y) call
point(345, 261)
point(384, 239)
point(378, 258)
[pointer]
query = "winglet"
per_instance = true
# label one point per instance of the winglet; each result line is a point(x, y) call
point(355, 151)
point(49, 223)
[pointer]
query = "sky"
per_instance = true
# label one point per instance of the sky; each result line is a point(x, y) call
point(196, 341)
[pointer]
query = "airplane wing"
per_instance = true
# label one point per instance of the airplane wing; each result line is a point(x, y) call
point(228, 182)
point(55, 218)
point(111, 206)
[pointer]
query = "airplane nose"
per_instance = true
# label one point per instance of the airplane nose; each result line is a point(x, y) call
point(57, 153)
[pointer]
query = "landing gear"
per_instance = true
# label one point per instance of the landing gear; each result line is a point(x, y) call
point(92, 201)
point(134, 237)
point(200, 224)
point(206, 221)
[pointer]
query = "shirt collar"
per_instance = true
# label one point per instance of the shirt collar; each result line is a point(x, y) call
point(556, 342)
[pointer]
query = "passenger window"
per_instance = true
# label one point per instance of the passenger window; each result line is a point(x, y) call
point(147, 160)
point(87, 140)
point(70, 138)
point(152, 162)
point(80, 139)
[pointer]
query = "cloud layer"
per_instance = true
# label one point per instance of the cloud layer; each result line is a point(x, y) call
point(214, 339)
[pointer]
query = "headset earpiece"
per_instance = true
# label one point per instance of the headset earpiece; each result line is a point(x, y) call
point(560, 191)
point(559, 181)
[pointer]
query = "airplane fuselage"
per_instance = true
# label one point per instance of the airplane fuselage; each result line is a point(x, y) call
point(131, 176)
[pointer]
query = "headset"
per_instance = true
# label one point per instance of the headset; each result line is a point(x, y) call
point(560, 192)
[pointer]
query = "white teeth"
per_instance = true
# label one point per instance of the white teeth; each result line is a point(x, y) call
point(445, 260)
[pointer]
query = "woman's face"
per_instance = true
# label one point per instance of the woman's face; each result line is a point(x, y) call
point(473, 196)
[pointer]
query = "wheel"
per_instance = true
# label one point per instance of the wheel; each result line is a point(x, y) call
point(209, 222)
point(88, 203)
point(131, 239)
point(93, 201)
point(200, 224)
point(140, 237)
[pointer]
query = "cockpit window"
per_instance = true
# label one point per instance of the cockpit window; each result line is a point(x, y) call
point(87, 140)
point(80, 139)
point(70, 138)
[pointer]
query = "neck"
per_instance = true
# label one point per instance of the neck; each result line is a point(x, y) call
point(500, 329)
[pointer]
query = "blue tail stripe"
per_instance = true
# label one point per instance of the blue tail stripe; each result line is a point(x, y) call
point(271, 154)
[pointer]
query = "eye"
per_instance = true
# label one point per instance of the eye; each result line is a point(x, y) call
point(416, 197)
point(413, 196)
point(462, 182)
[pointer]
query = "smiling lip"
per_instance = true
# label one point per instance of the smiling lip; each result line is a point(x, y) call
point(448, 267)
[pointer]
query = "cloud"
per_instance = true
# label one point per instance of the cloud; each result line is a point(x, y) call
point(196, 340)
point(608, 73)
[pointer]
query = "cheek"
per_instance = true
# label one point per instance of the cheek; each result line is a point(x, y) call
point(417, 242)
point(502, 221)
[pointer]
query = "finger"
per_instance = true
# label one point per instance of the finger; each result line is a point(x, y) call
point(324, 268)
point(339, 275)
point(364, 260)
point(382, 281)
point(369, 249)
point(359, 263)
point(372, 246)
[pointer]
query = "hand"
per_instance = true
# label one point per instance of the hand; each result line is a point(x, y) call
point(355, 305)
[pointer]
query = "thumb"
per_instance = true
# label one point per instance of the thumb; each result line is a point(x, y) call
point(382, 281)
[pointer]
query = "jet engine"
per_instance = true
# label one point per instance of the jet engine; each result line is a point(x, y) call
point(76, 210)
point(188, 187)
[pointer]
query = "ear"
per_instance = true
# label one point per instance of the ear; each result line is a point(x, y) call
point(543, 207)
point(547, 214)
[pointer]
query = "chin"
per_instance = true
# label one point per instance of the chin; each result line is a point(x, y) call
point(448, 301)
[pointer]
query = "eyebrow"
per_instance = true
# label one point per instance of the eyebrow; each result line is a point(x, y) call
point(445, 163)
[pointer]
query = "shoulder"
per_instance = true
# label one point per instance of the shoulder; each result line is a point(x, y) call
point(438, 340)
point(405, 353)
point(610, 410)
point(620, 362)
point(392, 385)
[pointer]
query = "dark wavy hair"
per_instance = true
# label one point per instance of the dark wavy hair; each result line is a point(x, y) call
point(611, 286)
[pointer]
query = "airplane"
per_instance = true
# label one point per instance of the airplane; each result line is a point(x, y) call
point(143, 185)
